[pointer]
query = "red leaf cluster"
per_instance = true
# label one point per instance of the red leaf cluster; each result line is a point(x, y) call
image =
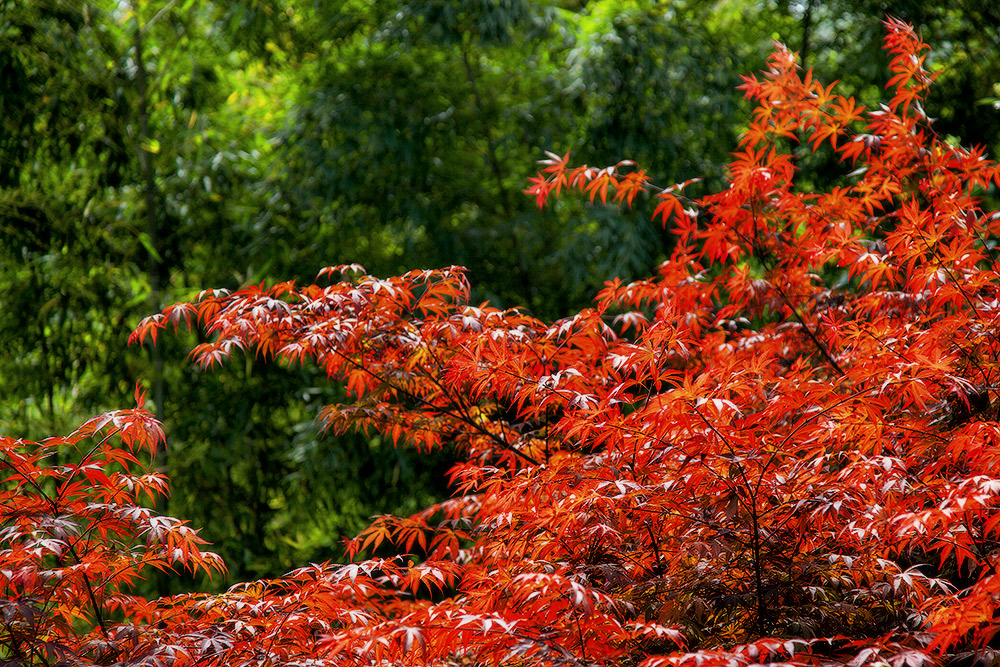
point(782, 449)
point(76, 535)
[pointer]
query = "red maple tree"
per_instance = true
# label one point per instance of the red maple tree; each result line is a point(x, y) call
point(781, 449)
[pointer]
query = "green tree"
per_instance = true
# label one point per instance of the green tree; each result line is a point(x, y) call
point(70, 276)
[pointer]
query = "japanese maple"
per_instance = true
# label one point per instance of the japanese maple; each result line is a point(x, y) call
point(76, 534)
point(782, 448)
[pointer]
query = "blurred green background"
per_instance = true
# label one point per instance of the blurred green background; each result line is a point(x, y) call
point(152, 149)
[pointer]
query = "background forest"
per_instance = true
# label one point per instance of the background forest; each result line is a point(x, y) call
point(149, 150)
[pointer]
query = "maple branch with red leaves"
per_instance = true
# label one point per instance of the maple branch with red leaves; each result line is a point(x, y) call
point(781, 448)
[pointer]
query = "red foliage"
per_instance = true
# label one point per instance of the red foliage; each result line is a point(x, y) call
point(75, 536)
point(781, 449)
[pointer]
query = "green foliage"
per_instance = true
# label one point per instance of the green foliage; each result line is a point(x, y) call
point(70, 278)
point(411, 144)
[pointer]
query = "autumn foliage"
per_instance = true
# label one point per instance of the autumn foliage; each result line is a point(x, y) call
point(783, 448)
